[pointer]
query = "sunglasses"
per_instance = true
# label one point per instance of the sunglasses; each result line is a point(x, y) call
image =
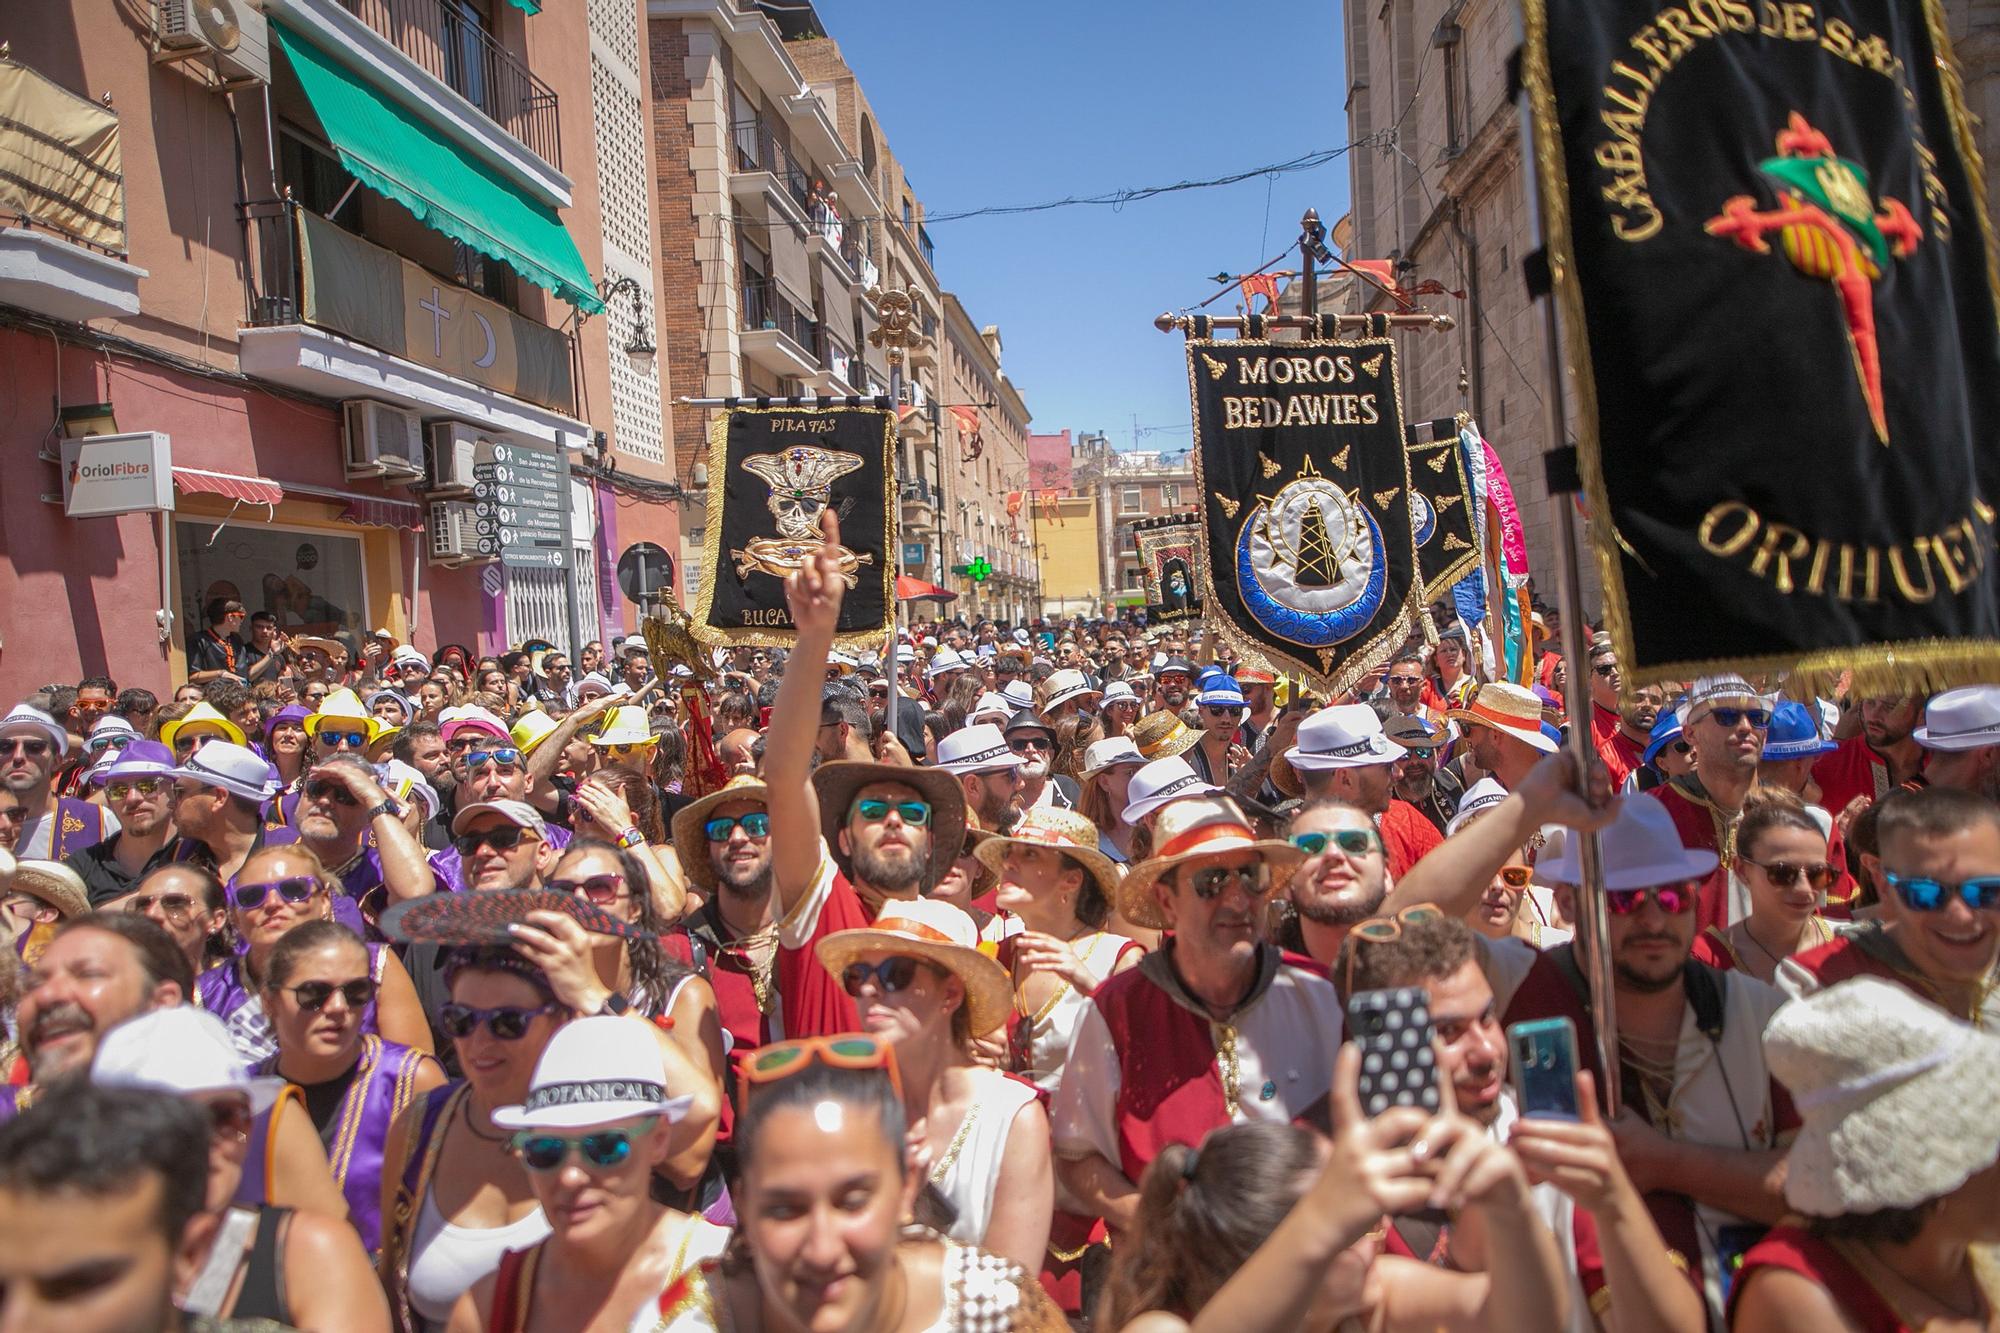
point(508, 1022)
point(1923, 894)
point(189, 744)
point(1029, 743)
point(118, 791)
point(352, 740)
point(173, 906)
point(29, 746)
point(1605, 669)
point(505, 757)
point(1782, 873)
point(1515, 878)
point(874, 811)
point(1673, 899)
point(1382, 929)
point(92, 705)
point(116, 741)
point(1404, 680)
point(229, 1119)
point(891, 975)
point(627, 751)
point(1352, 841)
point(756, 824)
point(312, 996)
point(503, 839)
point(1209, 881)
point(319, 789)
point(1221, 710)
point(295, 890)
point(853, 1050)
point(1759, 718)
point(600, 889)
point(603, 1149)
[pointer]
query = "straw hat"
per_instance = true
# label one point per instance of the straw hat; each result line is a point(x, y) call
point(1511, 709)
point(1064, 831)
point(54, 883)
point(1162, 735)
point(941, 935)
point(1198, 829)
point(626, 725)
point(836, 783)
point(335, 650)
point(691, 842)
point(1897, 1098)
point(343, 707)
point(204, 714)
point(1720, 690)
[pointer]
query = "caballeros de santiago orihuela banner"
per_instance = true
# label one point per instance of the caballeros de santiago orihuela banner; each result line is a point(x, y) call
point(1779, 290)
point(773, 471)
point(1303, 486)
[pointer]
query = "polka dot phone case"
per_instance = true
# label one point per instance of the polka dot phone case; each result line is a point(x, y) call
point(1393, 1030)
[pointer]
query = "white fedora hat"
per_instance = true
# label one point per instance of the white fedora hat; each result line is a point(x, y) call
point(1641, 849)
point(980, 749)
point(1962, 719)
point(1159, 782)
point(1066, 685)
point(1344, 736)
point(180, 1050)
point(595, 1071)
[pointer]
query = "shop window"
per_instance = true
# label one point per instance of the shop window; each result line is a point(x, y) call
point(313, 582)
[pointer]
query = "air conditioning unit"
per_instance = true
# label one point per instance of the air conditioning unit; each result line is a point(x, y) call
point(232, 33)
point(383, 441)
point(454, 533)
point(457, 448)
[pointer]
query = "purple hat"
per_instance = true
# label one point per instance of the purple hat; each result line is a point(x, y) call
point(1546, 695)
point(289, 713)
point(140, 759)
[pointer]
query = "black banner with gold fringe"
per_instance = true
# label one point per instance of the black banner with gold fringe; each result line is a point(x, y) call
point(1441, 505)
point(1170, 563)
point(773, 470)
point(1770, 250)
point(1304, 487)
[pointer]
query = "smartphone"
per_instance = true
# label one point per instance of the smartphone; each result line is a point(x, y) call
point(1393, 1030)
point(1543, 1054)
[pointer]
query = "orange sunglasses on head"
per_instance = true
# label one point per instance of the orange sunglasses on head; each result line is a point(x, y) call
point(1382, 929)
point(847, 1050)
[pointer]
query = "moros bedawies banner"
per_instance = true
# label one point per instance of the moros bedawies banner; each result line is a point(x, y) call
point(1303, 483)
point(1770, 251)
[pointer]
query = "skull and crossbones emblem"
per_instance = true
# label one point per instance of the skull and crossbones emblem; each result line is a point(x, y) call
point(801, 480)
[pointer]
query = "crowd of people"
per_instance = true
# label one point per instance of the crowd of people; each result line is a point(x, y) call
point(356, 987)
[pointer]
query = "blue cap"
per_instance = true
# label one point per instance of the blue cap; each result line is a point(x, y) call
point(1793, 734)
point(1666, 730)
point(1553, 732)
point(1222, 692)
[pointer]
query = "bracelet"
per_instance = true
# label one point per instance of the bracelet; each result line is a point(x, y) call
point(631, 837)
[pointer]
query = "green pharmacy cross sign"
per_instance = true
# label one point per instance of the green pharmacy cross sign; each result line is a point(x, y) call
point(979, 570)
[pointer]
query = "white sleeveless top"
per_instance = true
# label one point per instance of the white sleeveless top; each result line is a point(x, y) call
point(968, 1170)
point(1050, 1030)
point(446, 1260)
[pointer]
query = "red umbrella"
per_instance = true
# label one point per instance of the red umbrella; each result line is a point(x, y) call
point(916, 590)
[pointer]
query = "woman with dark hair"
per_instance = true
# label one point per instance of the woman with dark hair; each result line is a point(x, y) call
point(636, 974)
point(1782, 858)
point(317, 982)
point(492, 680)
point(1893, 1183)
point(823, 1134)
point(1075, 735)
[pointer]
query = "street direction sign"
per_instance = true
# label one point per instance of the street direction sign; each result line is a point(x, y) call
point(519, 501)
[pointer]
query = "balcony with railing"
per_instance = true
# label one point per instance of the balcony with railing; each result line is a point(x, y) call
point(447, 41)
point(921, 495)
point(777, 334)
point(762, 161)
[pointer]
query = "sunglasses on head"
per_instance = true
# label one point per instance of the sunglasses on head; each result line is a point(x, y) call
point(502, 839)
point(1782, 873)
point(854, 1050)
point(505, 758)
point(873, 811)
point(1673, 899)
point(313, 996)
point(173, 906)
point(891, 975)
point(756, 824)
point(1382, 929)
point(118, 791)
point(1920, 893)
point(320, 788)
point(352, 740)
point(508, 1022)
point(1759, 718)
point(602, 890)
point(294, 890)
point(1352, 841)
point(1209, 882)
point(601, 1148)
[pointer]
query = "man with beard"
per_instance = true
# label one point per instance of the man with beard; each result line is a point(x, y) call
point(1035, 742)
point(1624, 750)
point(896, 829)
point(1605, 679)
point(138, 786)
point(1703, 1125)
point(1416, 777)
point(99, 969)
point(1878, 753)
point(1172, 684)
point(1343, 878)
point(341, 804)
point(1503, 732)
point(219, 795)
point(843, 726)
point(1961, 740)
point(1939, 931)
point(1342, 755)
point(1726, 721)
point(1405, 684)
point(1260, 693)
point(421, 746)
point(32, 745)
point(725, 844)
point(989, 773)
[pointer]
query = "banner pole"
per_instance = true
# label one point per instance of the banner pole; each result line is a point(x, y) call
point(1564, 484)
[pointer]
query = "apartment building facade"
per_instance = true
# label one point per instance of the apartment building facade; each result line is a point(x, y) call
point(310, 262)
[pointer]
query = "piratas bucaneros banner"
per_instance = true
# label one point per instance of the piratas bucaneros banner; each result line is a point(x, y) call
point(1304, 486)
point(1170, 561)
point(773, 470)
point(1771, 252)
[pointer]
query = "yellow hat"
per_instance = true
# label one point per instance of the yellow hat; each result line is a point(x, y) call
point(344, 707)
point(203, 714)
point(531, 729)
point(625, 726)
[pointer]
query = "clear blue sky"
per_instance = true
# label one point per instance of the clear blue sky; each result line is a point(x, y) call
point(1030, 100)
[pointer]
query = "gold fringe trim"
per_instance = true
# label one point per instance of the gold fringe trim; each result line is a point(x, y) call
point(772, 636)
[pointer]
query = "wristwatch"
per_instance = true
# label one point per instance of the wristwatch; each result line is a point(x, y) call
point(389, 806)
point(616, 1005)
point(632, 837)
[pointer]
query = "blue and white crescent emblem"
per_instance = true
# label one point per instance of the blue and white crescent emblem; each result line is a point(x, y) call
point(1423, 519)
point(1311, 565)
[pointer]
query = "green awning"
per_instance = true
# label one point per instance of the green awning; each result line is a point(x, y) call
point(528, 6)
point(389, 149)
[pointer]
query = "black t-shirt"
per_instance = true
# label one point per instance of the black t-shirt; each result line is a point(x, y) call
point(208, 653)
point(102, 877)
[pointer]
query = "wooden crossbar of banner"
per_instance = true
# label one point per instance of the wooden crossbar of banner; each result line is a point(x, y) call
point(795, 400)
point(1169, 322)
